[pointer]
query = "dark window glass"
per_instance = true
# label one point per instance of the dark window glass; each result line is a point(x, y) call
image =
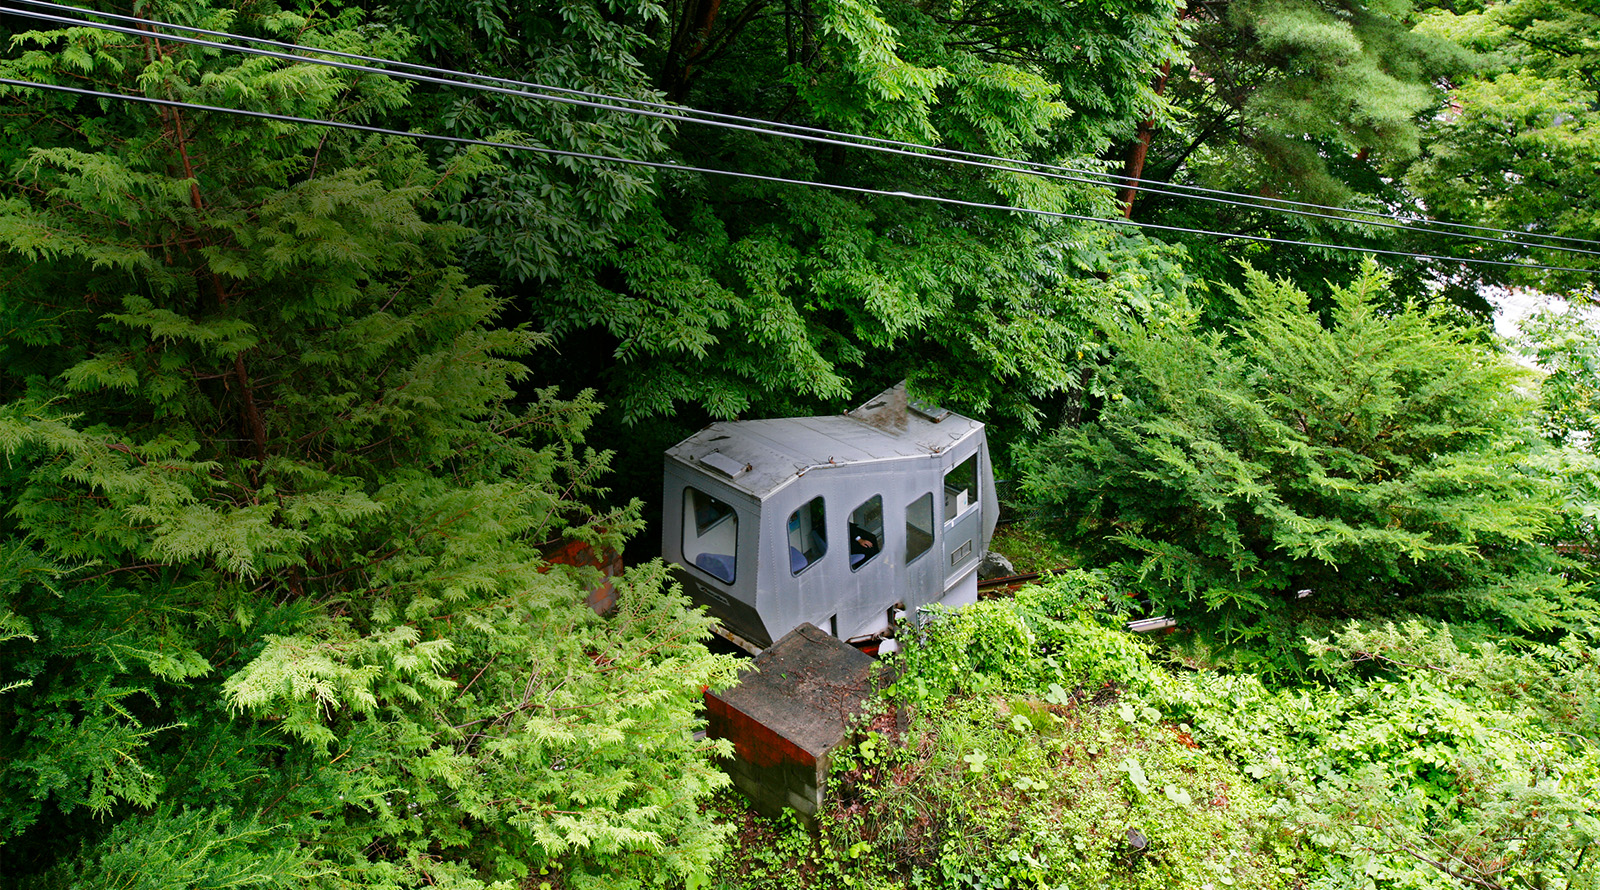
point(866, 532)
point(710, 533)
point(961, 488)
point(919, 526)
point(808, 536)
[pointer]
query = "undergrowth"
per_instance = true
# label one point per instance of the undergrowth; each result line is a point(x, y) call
point(1023, 745)
point(1033, 743)
point(1030, 548)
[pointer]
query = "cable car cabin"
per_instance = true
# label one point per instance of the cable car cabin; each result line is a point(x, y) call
point(840, 521)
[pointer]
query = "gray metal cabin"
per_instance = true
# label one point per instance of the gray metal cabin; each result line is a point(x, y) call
point(840, 521)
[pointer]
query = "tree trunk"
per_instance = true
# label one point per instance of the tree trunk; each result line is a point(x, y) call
point(1133, 166)
point(688, 42)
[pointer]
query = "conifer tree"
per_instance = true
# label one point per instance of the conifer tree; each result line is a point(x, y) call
point(1292, 470)
point(275, 485)
point(1304, 100)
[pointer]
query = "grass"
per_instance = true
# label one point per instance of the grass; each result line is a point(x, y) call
point(1030, 548)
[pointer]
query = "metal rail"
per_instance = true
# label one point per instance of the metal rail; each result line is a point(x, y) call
point(995, 587)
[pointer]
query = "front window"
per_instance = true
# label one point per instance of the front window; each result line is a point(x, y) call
point(808, 536)
point(710, 533)
point(961, 488)
point(866, 532)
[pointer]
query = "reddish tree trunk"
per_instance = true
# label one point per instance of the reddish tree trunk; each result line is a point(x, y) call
point(1133, 167)
point(688, 43)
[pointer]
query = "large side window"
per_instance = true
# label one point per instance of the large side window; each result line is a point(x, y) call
point(961, 488)
point(710, 531)
point(808, 536)
point(866, 532)
point(919, 526)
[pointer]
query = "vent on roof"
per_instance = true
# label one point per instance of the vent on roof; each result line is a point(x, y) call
point(932, 412)
point(725, 465)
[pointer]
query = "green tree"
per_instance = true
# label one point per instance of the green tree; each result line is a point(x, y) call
point(725, 296)
point(273, 608)
point(1566, 347)
point(534, 217)
point(1293, 469)
point(1320, 101)
point(1517, 146)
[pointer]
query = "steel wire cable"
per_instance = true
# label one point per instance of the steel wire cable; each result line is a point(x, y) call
point(679, 112)
point(810, 134)
point(684, 168)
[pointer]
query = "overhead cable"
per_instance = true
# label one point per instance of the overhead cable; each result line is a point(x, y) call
point(684, 168)
point(675, 113)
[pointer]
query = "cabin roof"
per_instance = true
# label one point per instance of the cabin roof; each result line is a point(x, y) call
point(761, 456)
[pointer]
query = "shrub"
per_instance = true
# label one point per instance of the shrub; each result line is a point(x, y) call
point(1034, 768)
point(1291, 469)
point(1058, 632)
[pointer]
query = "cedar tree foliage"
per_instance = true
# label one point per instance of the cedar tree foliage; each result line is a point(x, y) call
point(272, 602)
point(1374, 459)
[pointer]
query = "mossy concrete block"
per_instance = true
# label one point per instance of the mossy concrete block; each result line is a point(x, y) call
point(787, 714)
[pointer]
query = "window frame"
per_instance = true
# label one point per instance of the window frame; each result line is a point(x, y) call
point(975, 495)
point(692, 526)
point(851, 525)
point(818, 525)
point(930, 531)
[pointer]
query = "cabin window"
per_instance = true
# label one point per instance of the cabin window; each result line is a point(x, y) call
point(866, 532)
point(808, 536)
point(919, 527)
point(710, 533)
point(961, 488)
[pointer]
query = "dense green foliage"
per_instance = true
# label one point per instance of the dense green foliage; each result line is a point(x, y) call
point(1566, 347)
point(1434, 758)
point(1300, 100)
point(1477, 114)
point(290, 416)
point(273, 606)
point(1421, 756)
point(692, 290)
point(1035, 756)
point(1297, 87)
point(1293, 469)
point(1517, 149)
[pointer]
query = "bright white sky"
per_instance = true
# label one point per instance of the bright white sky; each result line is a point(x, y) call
point(1512, 306)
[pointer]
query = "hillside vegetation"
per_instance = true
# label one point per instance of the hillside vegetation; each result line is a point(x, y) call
point(295, 403)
